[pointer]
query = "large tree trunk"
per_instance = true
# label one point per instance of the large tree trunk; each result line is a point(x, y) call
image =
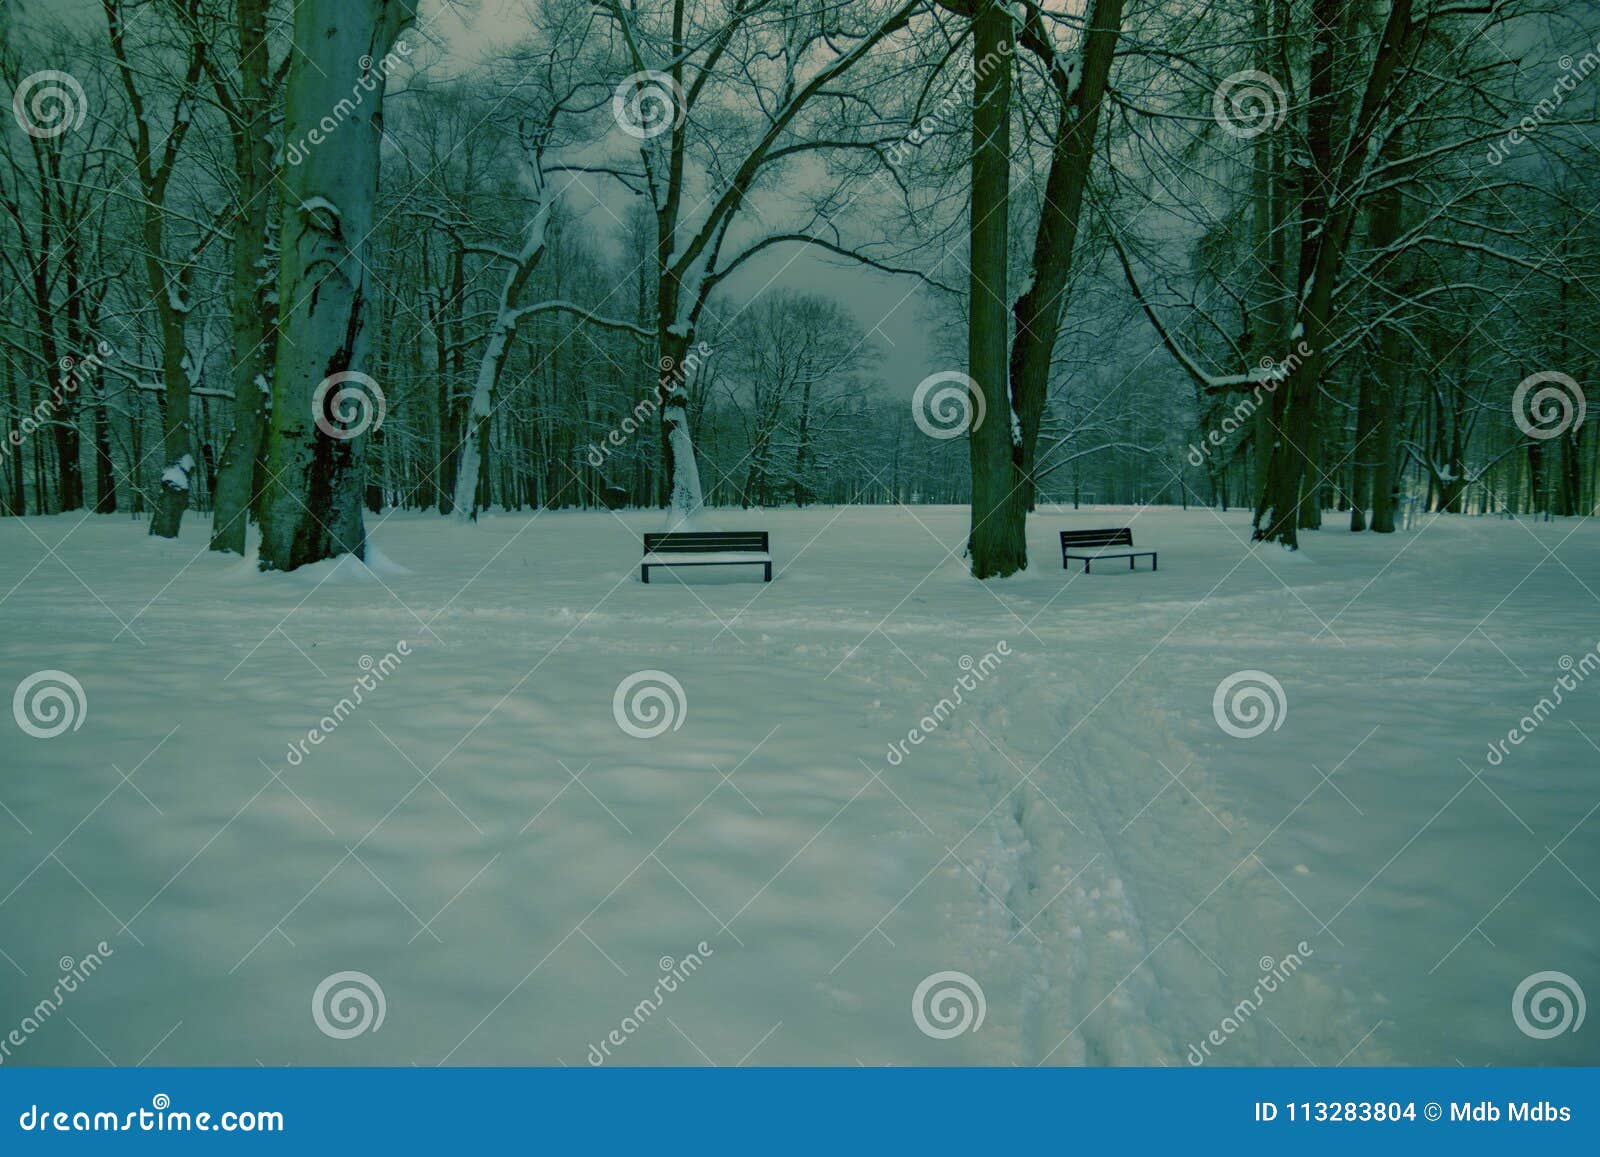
point(1038, 311)
point(250, 310)
point(311, 502)
point(996, 544)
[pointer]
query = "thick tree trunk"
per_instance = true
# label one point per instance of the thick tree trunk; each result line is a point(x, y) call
point(311, 504)
point(250, 310)
point(1038, 311)
point(996, 544)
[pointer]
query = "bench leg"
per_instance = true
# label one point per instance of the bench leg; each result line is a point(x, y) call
point(1085, 566)
point(769, 574)
point(644, 574)
point(1153, 566)
point(1130, 562)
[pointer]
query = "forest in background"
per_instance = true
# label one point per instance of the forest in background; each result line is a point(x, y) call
point(289, 263)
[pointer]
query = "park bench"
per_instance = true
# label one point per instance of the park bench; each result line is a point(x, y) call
point(706, 548)
point(1075, 544)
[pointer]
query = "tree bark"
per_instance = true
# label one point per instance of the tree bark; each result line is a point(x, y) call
point(995, 544)
point(250, 309)
point(311, 504)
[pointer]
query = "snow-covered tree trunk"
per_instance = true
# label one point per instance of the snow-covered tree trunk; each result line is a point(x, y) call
point(685, 498)
point(996, 546)
point(312, 498)
point(249, 309)
point(475, 440)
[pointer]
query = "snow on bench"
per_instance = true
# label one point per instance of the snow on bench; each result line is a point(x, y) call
point(706, 548)
point(1075, 544)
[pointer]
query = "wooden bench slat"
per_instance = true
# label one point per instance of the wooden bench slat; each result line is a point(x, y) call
point(1097, 540)
point(722, 543)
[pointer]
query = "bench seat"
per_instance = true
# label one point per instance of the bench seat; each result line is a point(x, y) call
point(706, 548)
point(1090, 546)
point(709, 558)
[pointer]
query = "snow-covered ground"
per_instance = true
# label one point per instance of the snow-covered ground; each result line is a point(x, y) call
point(1079, 835)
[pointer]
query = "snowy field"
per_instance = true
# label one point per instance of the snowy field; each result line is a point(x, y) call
point(1109, 857)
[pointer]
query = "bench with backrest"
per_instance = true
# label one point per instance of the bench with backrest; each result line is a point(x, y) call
point(706, 548)
point(1092, 545)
